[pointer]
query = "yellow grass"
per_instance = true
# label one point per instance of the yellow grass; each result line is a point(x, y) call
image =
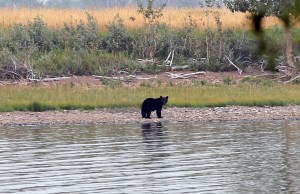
point(173, 17)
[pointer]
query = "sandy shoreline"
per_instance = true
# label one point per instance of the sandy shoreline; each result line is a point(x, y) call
point(173, 115)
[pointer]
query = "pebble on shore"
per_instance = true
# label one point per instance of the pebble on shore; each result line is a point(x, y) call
point(172, 114)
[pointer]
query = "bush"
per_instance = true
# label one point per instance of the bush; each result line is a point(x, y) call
point(81, 49)
point(118, 39)
point(82, 36)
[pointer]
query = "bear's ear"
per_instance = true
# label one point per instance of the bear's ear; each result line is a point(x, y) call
point(167, 97)
point(160, 97)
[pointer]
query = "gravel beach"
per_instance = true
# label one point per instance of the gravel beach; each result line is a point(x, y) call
point(131, 116)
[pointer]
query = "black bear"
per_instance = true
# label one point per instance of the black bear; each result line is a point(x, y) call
point(152, 104)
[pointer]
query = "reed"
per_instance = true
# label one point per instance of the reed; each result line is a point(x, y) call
point(38, 98)
point(173, 17)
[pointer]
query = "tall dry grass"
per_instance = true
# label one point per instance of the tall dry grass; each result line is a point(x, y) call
point(173, 17)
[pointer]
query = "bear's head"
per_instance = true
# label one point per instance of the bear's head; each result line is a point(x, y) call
point(164, 100)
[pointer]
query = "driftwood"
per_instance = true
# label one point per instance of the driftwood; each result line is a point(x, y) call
point(174, 68)
point(293, 79)
point(146, 61)
point(169, 62)
point(16, 69)
point(124, 78)
point(49, 79)
point(184, 76)
point(239, 69)
point(10, 74)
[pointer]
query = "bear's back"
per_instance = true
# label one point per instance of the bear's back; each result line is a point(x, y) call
point(152, 103)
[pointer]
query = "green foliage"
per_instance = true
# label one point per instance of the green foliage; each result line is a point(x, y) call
point(145, 84)
point(118, 39)
point(83, 49)
point(296, 81)
point(287, 11)
point(228, 81)
point(40, 34)
point(19, 38)
point(153, 38)
point(150, 13)
point(111, 83)
point(196, 82)
point(188, 42)
point(38, 107)
point(264, 8)
point(82, 36)
point(251, 80)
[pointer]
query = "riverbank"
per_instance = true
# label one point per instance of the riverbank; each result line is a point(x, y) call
point(132, 116)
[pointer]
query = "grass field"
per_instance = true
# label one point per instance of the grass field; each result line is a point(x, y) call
point(173, 17)
point(68, 97)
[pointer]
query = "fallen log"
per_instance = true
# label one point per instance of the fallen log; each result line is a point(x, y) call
point(293, 79)
point(49, 79)
point(146, 61)
point(124, 78)
point(184, 76)
point(174, 68)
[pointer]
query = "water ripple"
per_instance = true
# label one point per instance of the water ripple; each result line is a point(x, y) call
point(154, 158)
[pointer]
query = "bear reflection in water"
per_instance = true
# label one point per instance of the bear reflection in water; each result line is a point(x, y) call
point(155, 140)
point(152, 130)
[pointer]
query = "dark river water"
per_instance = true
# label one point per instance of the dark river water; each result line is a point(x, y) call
point(230, 157)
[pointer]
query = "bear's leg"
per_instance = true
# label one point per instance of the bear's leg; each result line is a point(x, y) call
point(148, 115)
point(158, 112)
point(144, 114)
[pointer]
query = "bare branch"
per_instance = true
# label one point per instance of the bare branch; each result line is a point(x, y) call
point(184, 76)
point(239, 69)
point(49, 79)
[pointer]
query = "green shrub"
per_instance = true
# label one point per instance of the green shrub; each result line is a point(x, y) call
point(83, 35)
point(117, 39)
point(251, 80)
point(229, 81)
point(82, 49)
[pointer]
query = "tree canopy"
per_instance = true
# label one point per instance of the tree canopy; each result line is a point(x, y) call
point(286, 10)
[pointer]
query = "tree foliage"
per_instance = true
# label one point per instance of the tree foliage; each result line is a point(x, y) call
point(266, 7)
point(285, 10)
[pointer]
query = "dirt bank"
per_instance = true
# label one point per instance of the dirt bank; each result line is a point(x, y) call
point(173, 115)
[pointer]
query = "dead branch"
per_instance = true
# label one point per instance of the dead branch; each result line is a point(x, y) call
point(239, 69)
point(15, 69)
point(266, 75)
point(294, 78)
point(176, 68)
point(146, 78)
point(167, 61)
point(184, 76)
point(114, 78)
point(124, 78)
point(11, 73)
point(49, 79)
point(146, 61)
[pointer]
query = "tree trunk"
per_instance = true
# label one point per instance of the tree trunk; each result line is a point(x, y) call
point(289, 53)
